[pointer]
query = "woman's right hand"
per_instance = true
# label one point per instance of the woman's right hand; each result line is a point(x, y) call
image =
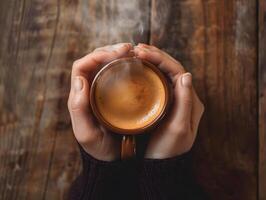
point(95, 140)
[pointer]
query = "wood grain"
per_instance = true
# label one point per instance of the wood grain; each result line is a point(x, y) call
point(40, 41)
point(217, 41)
point(214, 39)
point(262, 99)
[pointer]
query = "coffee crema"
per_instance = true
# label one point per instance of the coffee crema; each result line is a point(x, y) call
point(129, 95)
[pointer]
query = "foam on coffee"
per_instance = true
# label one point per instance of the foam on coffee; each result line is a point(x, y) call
point(129, 96)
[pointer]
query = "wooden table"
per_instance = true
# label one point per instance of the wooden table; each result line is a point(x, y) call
point(221, 42)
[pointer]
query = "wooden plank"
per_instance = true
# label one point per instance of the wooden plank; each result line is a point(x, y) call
point(262, 99)
point(38, 154)
point(31, 29)
point(217, 41)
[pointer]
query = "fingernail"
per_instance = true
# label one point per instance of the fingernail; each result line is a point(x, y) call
point(78, 84)
point(186, 80)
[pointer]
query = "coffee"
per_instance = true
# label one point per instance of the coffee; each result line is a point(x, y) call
point(129, 95)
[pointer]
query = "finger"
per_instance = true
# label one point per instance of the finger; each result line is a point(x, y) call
point(78, 104)
point(184, 101)
point(154, 48)
point(159, 58)
point(91, 62)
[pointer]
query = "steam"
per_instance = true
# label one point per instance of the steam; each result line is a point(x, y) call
point(160, 18)
point(114, 21)
point(107, 22)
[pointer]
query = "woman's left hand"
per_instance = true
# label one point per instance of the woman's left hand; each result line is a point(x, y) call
point(177, 133)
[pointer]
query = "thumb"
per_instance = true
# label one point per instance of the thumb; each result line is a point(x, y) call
point(183, 95)
point(84, 128)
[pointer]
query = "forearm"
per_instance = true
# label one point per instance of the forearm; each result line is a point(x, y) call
point(171, 178)
point(101, 180)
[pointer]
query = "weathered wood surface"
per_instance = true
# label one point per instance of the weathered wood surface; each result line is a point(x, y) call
point(39, 41)
point(262, 100)
point(214, 39)
point(217, 42)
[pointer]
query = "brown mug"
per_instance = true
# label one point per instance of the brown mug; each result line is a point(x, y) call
point(130, 96)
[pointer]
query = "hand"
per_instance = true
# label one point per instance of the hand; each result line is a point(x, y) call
point(177, 133)
point(94, 139)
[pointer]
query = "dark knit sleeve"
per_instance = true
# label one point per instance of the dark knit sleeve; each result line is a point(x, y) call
point(101, 180)
point(163, 179)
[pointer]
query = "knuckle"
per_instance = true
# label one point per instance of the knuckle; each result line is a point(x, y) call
point(159, 54)
point(76, 64)
point(187, 100)
point(75, 103)
point(202, 107)
point(68, 104)
point(144, 54)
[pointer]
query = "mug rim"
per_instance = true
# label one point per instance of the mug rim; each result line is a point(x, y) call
point(123, 131)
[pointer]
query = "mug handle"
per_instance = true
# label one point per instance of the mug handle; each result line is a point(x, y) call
point(128, 147)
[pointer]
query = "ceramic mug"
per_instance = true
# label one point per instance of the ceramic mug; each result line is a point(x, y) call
point(130, 96)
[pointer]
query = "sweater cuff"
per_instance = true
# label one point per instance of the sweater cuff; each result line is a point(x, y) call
point(100, 169)
point(165, 178)
point(166, 166)
point(98, 179)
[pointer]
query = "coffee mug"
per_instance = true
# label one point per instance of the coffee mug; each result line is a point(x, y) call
point(130, 96)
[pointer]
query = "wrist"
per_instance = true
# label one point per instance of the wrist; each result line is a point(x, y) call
point(176, 158)
point(101, 154)
point(165, 155)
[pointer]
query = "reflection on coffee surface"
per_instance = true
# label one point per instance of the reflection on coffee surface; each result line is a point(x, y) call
point(129, 96)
